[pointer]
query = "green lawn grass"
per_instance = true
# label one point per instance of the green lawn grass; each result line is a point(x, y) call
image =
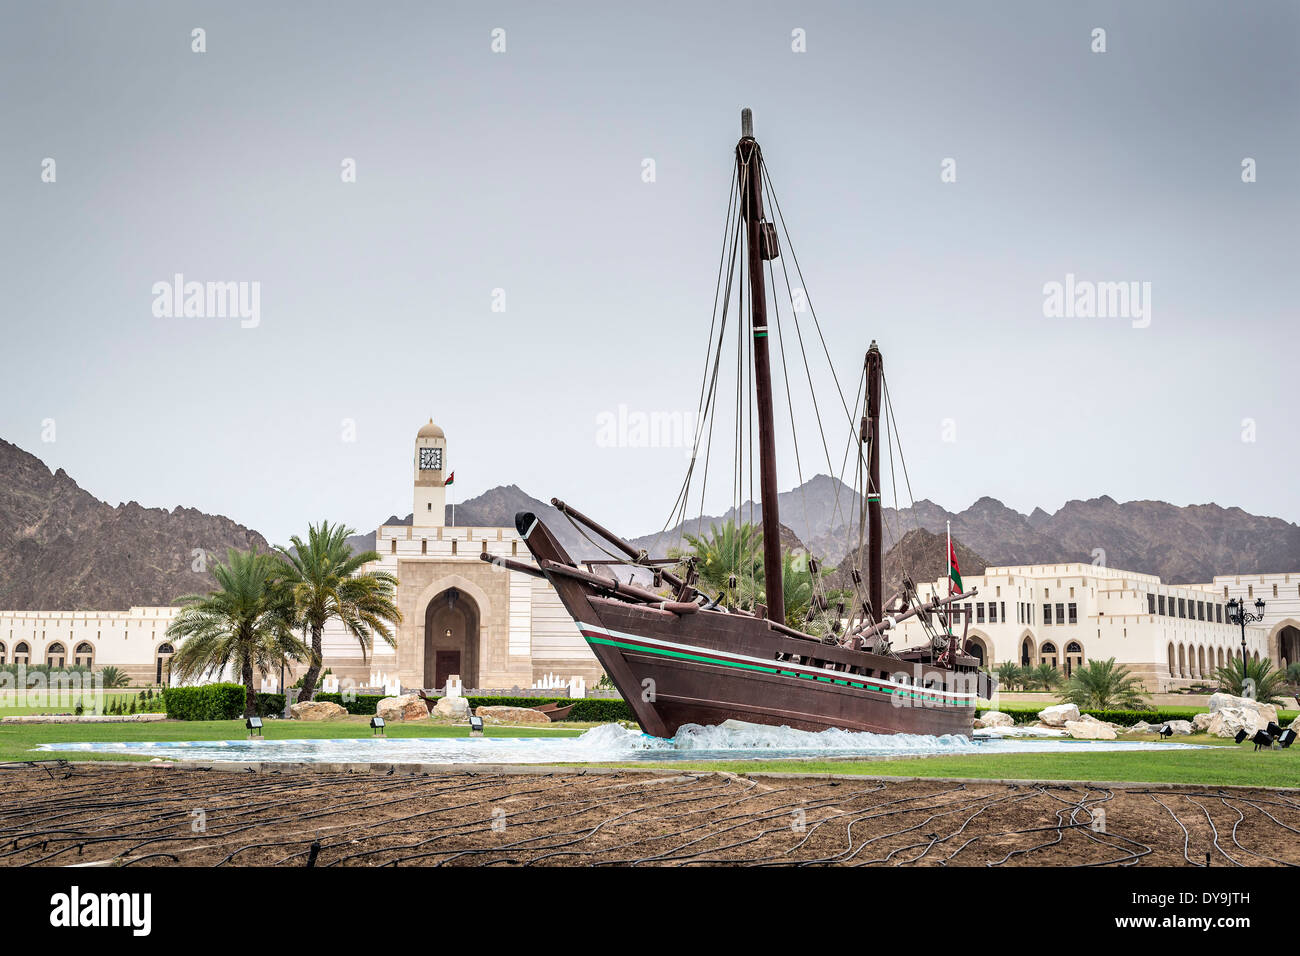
point(66, 702)
point(1228, 765)
point(17, 740)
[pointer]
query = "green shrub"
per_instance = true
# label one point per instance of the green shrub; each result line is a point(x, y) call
point(362, 704)
point(269, 705)
point(209, 702)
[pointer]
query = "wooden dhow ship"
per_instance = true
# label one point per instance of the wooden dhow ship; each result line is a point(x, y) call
point(680, 655)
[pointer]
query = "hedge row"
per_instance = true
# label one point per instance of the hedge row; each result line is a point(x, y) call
point(209, 702)
point(226, 702)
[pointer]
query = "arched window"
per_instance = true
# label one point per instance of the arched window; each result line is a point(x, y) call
point(3, 652)
point(163, 665)
point(1173, 664)
point(84, 655)
point(1182, 660)
point(1221, 664)
point(1200, 660)
point(1073, 657)
point(22, 653)
point(1048, 655)
point(55, 655)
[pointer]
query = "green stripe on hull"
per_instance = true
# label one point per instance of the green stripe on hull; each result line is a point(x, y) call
point(665, 652)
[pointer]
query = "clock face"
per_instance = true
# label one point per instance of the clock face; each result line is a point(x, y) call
point(431, 459)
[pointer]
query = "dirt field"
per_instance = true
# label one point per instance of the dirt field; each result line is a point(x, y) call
point(57, 814)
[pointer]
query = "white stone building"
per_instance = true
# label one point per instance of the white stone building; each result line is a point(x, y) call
point(1171, 636)
point(1281, 596)
point(134, 641)
point(494, 628)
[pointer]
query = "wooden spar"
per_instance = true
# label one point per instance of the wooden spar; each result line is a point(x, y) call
point(611, 537)
point(618, 587)
point(509, 565)
point(875, 519)
point(762, 246)
point(895, 619)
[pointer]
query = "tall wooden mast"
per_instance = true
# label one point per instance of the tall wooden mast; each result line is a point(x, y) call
point(875, 519)
point(762, 246)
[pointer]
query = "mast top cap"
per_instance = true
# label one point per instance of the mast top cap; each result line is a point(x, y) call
point(747, 123)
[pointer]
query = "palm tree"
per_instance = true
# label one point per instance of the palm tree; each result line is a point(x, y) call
point(112, 677)
point(729, 561)
point(1104, 685)
point(1009, 675)
point(1044, 675)
point(1267, 680)
point(247, 623)
point(326, 581)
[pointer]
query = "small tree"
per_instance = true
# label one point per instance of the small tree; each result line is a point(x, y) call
point(1261, 681)
point(245, 624)
point(1009, 675)
point(1104, 685)
point(1043, 676)
point(113, 677)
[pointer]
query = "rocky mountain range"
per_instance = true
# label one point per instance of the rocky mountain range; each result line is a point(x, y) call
point(61, 548)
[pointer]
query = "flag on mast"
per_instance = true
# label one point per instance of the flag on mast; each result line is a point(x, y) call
point(954, 572)
point(954, 576)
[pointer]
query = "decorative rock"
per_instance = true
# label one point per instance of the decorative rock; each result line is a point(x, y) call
point(1228, 721)
point(1201, 722)
point(457, 708)
point(995, 718)
point(1057, 715)
point(406, 707)
point(1141, 727)
point(1267, 712)
point(1180, 727)
point(511, 715)
point(317, 710)
point(1089, 730)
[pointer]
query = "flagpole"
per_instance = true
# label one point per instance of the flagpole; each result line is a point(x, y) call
point(948, 558)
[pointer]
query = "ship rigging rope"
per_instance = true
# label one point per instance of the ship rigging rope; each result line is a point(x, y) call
point(731, 277)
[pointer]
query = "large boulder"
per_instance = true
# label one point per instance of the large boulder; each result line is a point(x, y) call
point(1141, 727)
point(1229, 721)
point(1057, 715)
point(406, 707)
point(1267, 712)
point(511, 715)
point(317, 710)
point(1090, 730)
point(1181, 728)
point(1201, 722)
point(454, 708)
point(995, 718)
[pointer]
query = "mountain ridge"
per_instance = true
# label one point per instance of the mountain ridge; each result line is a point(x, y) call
point(61, 548)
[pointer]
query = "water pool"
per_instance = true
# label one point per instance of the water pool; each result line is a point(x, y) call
point(610, 742)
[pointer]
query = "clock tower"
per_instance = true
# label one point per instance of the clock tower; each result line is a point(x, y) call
point(430, 507)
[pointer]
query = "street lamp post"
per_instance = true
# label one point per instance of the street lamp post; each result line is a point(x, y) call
point(1237, 614)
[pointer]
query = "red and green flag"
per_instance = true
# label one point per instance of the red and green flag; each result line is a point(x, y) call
point(954, 572)
point(450, 479)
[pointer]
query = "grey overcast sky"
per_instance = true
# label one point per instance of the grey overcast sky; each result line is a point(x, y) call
point(522, 171)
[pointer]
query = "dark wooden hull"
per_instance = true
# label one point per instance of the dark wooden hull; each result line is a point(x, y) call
point(710, 666)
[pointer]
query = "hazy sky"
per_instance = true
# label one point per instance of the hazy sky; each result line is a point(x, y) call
point(522, 171)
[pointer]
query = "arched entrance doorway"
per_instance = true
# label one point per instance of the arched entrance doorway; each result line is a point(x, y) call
point(451, 624)
point(977, 646)
point(1287, 643)
point(1027, 652)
